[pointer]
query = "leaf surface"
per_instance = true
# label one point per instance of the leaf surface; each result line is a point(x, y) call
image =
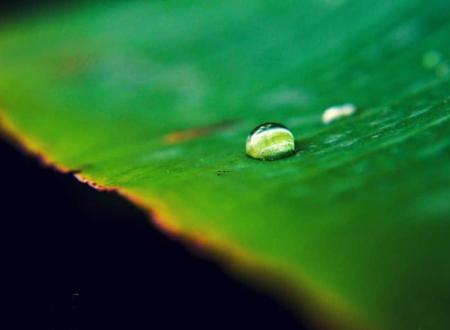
point(156, 99)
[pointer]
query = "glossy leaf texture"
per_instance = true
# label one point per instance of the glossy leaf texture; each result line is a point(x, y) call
point(156, 99)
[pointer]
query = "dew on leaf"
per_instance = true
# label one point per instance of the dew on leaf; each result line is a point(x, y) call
point(270, 141)
point(336, 112)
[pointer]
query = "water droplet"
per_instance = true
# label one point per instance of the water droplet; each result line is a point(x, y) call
point(338, 111)
point(270, 141)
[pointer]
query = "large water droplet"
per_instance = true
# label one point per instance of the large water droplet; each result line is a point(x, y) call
point(270, 141)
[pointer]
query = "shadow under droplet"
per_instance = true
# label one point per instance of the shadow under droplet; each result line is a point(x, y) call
point(301, 144)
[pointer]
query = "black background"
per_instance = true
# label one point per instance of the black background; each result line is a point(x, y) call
point(76, 258)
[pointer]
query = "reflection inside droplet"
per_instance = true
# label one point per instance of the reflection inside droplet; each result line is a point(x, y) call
point(270, 141)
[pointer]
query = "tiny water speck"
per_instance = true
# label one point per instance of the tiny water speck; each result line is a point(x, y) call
point(270, 141)
point(336, 112)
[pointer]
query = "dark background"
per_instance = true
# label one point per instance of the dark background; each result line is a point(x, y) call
point(76, 258)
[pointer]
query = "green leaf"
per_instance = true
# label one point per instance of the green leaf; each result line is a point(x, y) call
point(155, 99)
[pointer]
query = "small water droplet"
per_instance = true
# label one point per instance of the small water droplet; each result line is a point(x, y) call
point(270, 141)
point(338, 111)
